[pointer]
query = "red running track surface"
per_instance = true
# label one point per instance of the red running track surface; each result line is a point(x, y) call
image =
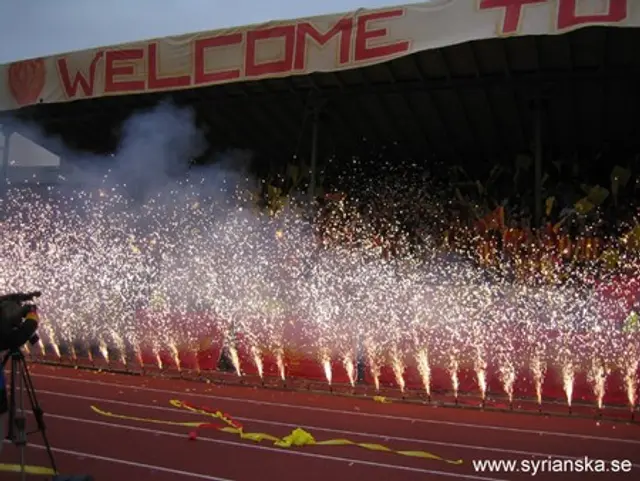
point(113, 449)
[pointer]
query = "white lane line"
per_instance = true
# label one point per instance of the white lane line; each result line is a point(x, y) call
point(124, 462)
point(321, 429)
point(350, 413)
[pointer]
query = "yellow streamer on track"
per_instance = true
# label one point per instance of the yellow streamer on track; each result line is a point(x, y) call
point(34, 470)
point(381, 400)
point(297, 438)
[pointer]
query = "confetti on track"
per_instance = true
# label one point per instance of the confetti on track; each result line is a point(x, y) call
point(117, 449)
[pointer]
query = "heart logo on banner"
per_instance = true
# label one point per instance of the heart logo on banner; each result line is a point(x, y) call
point(26, 81)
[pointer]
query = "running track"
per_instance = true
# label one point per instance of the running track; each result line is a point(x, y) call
point(112, 449)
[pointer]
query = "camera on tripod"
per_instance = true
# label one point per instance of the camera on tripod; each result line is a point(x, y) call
point(18, 320)
point(19, 325)
point(32, 315)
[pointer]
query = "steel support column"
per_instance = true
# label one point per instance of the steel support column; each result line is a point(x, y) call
point(537, 150)
point(315, 132)
point(5, 159)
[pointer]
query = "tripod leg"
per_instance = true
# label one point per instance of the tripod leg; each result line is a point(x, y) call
point(2, 432)
point(12, 402)
point(18, 421)
point(38, 413)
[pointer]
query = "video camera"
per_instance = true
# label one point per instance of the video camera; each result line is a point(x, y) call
point(18, 320)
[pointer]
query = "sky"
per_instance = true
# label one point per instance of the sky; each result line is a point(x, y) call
point(37, 28)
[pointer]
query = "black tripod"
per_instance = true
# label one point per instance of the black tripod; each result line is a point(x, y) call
point(17, 434)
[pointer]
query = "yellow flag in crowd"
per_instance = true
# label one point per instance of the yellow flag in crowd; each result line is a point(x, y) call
point(632, 323)
point(596, 196)
point(293, 173)
point(632, 239)
point(584, 206)
point(619, 178)
point(610, 258)
point(549, 205)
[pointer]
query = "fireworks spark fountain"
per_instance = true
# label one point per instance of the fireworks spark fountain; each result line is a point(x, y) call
point(630, 360)
point(538, 370)
point(398, 366)
point(229, 281)
point(568, 379)
point(373, 357)
point(235, 359)
point(598, 377)
point(454, 367)
point(424, 368)
point(104, 351)
point(156, 271)
point(350, 368)
point(119, 344)
point(508, 377)
point(280, 364)
point(480, 367)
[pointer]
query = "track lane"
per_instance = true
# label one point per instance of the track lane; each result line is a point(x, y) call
point(103, 468)
point(557, 426)
point(170, 443)
point(338, 424)
point(408, 437)
point(66, 396)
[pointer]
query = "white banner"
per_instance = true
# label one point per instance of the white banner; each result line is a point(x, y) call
point(298, 47)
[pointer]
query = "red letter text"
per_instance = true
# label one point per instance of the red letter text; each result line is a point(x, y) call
point(343, 28)
point(512, 12)
point(157, 82)
point(362, 49)
point(113, 70)
point(568, 17)
point(79, 80)
point(201, 46)
point(255, 69)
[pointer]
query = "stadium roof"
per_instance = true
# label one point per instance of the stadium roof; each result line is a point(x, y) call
point(433, 78)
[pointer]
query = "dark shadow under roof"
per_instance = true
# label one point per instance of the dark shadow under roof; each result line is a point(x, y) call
point(473, 99)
